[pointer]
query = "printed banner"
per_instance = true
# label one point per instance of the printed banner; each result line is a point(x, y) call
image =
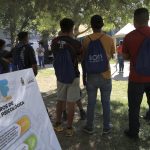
point(24, 122)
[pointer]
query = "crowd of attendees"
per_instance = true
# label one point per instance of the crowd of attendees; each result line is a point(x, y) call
point(94, 53)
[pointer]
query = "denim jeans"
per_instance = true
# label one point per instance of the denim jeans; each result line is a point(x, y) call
point(135, 96)
point(41, 61)
point(95, 82)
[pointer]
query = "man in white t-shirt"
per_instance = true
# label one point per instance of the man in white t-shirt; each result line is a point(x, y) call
point(40, 50)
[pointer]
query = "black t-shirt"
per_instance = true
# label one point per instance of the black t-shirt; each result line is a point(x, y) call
point(75, 50)
point(27, 57)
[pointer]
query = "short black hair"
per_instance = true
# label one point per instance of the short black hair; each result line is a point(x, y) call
point(121, 42)
point(97, 22)
point(22, 36)
point(66, 25)
point(141, 15)
point(2, 43)
point(41, 43)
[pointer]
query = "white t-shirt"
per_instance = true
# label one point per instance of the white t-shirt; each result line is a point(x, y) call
point(40, 51)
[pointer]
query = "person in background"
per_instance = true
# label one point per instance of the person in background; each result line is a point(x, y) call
point(120, 57)
point(5, 57)
point(116, 59)
point(138, 83)
point(97, 44)
point(23, 54)
point(40, 50)
point(66, 51)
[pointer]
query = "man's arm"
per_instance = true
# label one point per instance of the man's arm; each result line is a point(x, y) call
point(54, 45)
point(7, 57)
point(113, 49)
point(6, 60)
point(33, 61)
point(84, 49)
point(125, 50)
point(35, 69)
point(126, 56)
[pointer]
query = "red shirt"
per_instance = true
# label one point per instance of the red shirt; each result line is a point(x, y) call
point(119, 49)
point(131, 45)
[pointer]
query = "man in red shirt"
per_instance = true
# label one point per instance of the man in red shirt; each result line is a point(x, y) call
point(120, 57)
point(138, 84)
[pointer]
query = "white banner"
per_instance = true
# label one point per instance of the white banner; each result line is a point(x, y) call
point(24, 122)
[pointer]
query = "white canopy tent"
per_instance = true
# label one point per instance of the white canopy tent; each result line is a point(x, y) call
point(125, 30)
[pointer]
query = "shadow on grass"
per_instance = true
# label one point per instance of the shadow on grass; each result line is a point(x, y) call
point(120, 77)
point(115, 141)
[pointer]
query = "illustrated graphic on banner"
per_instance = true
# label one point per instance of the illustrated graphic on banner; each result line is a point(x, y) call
point(4, 90)
point(24, 122)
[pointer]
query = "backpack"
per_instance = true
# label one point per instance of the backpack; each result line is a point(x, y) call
point(96, 60)
point(63, 63)
point(143, 59)
point(18, 58)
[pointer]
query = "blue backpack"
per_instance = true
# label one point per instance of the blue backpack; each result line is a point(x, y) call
point(63, 63)
point(96, 60)
point(143, 59)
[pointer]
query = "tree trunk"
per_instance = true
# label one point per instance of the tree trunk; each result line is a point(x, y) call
point(12, 22)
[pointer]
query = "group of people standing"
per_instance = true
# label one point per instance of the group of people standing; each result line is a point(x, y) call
point(67, 51)
point(94, 52)
point(22, 56)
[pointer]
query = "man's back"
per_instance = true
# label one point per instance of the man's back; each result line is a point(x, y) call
point(131, 46)
point(25, 54)
point(98, 54)
point(74, 51)
point(24, 57)
point(106, 40)
point(107, 43)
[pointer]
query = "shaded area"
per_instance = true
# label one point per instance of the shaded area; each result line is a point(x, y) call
point(115, 141)
point(120, 77)
point(119, 116)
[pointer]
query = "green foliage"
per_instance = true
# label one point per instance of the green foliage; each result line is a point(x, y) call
point(45, 22)
point(44, 15)
point(17, 15)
